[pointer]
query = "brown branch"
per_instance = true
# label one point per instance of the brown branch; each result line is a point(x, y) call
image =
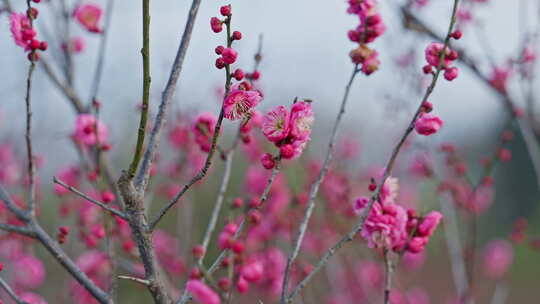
point(135, 213)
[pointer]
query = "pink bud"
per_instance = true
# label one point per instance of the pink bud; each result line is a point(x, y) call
point(428, 124)
point(253, 271)
point(451, 73)
point(268, 161)
point(236, 35)
point(229, 55)
point(216, 24)
point(225, 10)
point(286, 151)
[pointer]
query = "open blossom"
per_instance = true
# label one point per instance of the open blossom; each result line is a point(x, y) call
point(275, 124)
point(85, 130)
point(385, 226)
point(203, 128)
point(20, 29)
point(301, 120)
point(239, 103)
point(498, 256)
point(428, 124)
point(89, 15)
point(429, 223)
point(202, 293)
point(289, 131)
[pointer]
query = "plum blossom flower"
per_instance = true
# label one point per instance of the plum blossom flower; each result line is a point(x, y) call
point(301, 120)
point(89, 15)
point(240, 103)
point(202, 293)
point(275, 124)
point(428, 124)
point(85, 130)
point(385, 226)
point(498, 256)
point(20, 29)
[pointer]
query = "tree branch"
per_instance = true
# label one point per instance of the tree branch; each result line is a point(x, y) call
point(10, 292)
point(118, 213)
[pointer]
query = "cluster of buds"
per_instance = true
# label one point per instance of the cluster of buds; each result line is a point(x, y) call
point(24, 35)
point(436, 53)
point(371, 26)
point(227, 54)
point(63, 232)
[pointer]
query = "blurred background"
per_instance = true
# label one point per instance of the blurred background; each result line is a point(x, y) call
point(305, 54)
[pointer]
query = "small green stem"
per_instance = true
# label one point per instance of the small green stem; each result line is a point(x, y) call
point(145, 52)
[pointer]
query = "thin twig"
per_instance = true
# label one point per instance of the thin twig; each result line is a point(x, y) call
point(387, 276)
point(23, 230)
point(5, 286)
point(315, 188)
point(141, 179)
point(134, 279)
point(118, 213)
point(145, 52)
point(28, 135)
point(217, 130)
point(388, 169)
point(101, 52)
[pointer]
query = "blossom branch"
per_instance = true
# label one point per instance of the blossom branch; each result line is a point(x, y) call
point(412, 22)
point(5, 286)
point(388, 169)
point(217, 130)
point(141, 179)
point(28, 135)
point(315, 188)
point(118, 213)
point(145, 52)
